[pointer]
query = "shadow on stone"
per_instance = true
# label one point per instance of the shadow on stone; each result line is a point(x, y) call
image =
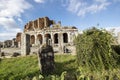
point(15, 54)
point(2, 54)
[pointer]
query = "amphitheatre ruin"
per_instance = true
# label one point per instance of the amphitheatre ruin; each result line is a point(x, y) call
point(36, 33)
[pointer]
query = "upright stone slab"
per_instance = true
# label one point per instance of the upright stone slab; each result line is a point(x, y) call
point(25, 44)
point(46, 55)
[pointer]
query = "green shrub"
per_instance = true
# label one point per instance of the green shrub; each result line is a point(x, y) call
point(94, 50)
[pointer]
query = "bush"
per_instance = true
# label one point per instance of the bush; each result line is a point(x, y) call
point(94, 51)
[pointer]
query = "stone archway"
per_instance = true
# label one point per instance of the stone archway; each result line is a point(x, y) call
point(40, 38)
point(48, 36)
point(65, 37)
point(56, 38)
point(48, 39)
point(32, 39)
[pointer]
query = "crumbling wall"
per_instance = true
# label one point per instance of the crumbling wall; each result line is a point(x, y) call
point(18, 37)
point(25, 44)
point(7, 43)
point(40, 23)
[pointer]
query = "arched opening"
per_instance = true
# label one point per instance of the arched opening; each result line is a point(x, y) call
point(48, 36)
point(40, 39)
point(65, 37)
point(56, 38)
point(32, 39)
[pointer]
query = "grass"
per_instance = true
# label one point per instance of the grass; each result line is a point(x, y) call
point(21, 67)
point(26, 68)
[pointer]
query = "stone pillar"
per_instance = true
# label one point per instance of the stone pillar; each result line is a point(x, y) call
point(60, 38)
point(69, 40)
point(45, 23)
point(38, 23)
point(52, 37)
point(19, 44)
point(13, 43)
point(25, 45)
point(36, 40)
point(44, 39)
point(33, 24)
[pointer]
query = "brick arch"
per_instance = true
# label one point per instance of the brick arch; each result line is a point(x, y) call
point(40, 38)
point(48, 36)
point(32, 39)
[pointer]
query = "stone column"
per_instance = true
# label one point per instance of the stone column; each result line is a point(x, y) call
point(25, 45)
point(44, 38)
point(60, 40)
point(38, 23)
point(19, 44)
point(36, 40)
point(69, 40)
point(13, 43)
point(45, 23)
point(52, 38)
point(33, 24)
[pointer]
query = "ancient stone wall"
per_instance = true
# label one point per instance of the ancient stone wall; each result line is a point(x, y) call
point(25, 43)
point(18, 37)
point(40, 23)
point(40, 31)
point(7, 43)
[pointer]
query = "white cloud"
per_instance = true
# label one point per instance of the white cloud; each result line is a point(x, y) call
point(114, 30)
point(39, 1)
point(8, 23)
point(12, 8)
point(82, 7)
point(10, 28)
point(10, 11)
point(7, 36)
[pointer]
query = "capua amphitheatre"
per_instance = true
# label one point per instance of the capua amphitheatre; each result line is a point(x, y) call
point(36, 33)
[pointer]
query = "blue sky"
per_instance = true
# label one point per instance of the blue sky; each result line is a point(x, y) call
point(83, 14)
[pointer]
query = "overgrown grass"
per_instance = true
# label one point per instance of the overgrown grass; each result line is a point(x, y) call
point(22, 67)
point(26, 68)
point(16, 68)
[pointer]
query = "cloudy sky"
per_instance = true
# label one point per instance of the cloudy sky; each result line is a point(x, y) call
point(83, 14)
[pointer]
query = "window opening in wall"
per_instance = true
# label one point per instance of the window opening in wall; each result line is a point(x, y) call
point(65, 37)
point(56, 38)
point(32, 39)
point(40, 39)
